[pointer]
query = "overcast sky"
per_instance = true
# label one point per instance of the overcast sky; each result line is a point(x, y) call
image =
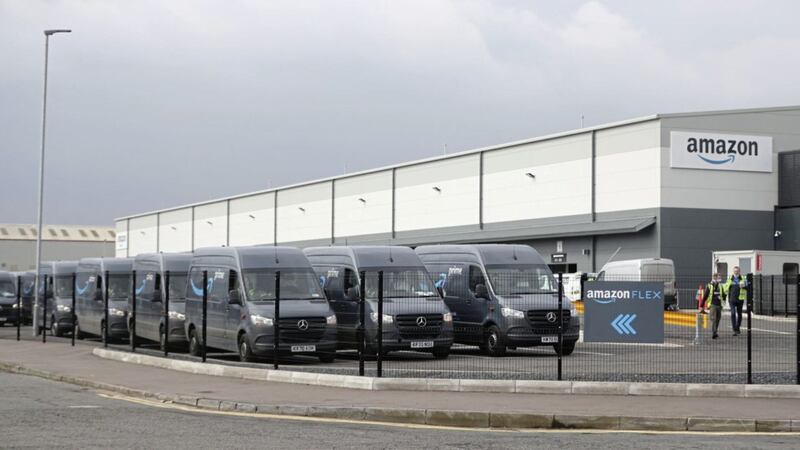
point(157, 103)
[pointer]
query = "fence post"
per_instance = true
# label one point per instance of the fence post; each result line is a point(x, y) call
point(749, 290)
point(785, 297)
point(205, 311)
point(44, 311)
point(560, 322)
point(133, 312)
point(380, 324)
point(165, 290)
point(72, 310)
point(105, 309)
point(19, 307)
point(361, 331)
point(772, 295)
point(276, 327)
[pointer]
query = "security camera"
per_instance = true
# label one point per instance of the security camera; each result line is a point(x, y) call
point(778, 233)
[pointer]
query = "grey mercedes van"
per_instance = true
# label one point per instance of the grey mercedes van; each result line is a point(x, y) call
point(59, 296)
point(9, 307)
point(414, 315)
point(241, 293)
point(90, 287)
point(501, 296)
point(151, 293)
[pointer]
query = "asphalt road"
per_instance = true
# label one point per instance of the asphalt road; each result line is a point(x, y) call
point(39, 413)
point(684, 357)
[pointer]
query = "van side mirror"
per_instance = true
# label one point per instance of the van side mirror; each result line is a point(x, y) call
point(157, 296)
point(98, 295)
point(234, 298)
point(353, 294)
point(440, 291)
point(48, 293)
point(481, 291)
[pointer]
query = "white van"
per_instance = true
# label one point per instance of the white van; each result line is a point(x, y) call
point(649, 269)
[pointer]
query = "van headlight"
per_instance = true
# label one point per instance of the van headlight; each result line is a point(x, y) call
point(331, 320)
point(513, 313)
point(15, 305)
point(116, 312)
point(255, 319)
point(387, 319)
point(63, 308)
point(448, 317)
point(573, 310)
point(176, 315)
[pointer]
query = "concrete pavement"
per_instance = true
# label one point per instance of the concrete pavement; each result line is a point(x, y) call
point(77, 364)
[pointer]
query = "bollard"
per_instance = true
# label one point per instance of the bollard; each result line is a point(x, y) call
point(72, 310)
point(132, 323)
point(105, 309)
point(44, 311)
point(19, 308)
point(165, 289)
point(749, 290)
point(361, 332)
point(560, 323)
point(205, 311)
point(276, 329)
point(380, 325)
point(697, 324)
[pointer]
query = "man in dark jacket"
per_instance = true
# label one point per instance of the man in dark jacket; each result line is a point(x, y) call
point(736, 290)
point(713, 298)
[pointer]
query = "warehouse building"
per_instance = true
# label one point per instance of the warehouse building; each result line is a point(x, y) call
point(59, 243)
point(669, 185)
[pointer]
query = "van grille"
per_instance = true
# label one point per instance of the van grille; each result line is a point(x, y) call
point(292, 334)
point(408, 325)
point(538, 318)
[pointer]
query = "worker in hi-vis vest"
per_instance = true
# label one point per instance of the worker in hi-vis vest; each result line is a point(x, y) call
point(736, 290)
point(713, 299)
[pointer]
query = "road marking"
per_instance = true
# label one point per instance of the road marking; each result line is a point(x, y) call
point(84, 406)
point(772, 331)
point(173, 406)
point(595, 353)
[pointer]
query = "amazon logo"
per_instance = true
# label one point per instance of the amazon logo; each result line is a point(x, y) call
point(720, 151)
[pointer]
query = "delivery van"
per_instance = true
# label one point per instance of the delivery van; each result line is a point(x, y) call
point(660, 270)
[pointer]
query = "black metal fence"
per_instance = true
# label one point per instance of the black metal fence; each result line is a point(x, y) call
point(525, 326)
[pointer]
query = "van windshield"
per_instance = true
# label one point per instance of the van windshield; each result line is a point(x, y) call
point(177, 287)
point(296, 284)
point(7, 289)
point(64, 286)
point(520, 280)
point(119, 286)
point(401, 283)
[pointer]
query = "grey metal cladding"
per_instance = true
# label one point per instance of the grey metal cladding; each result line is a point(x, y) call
point(789, 179)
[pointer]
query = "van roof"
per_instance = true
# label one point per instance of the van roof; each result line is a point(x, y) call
point(489, 254)
point(639, 262)
point(166, 261)
point(258, 256)
point(60, 267)
point(108, 264)
point(371, 256)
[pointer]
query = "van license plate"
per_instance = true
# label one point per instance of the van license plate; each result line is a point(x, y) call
point(549, 339)
point(3, 319)
point(422, 344)
point(303, 348)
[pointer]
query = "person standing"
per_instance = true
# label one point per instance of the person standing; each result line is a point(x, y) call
point(736, 291)
point(713, 298)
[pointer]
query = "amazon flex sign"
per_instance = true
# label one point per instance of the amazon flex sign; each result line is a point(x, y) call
point(619, 311)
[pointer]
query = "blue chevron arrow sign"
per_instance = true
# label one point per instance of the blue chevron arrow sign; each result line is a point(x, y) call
point(622, 324)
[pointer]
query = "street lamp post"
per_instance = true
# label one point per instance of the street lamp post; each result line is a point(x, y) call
point(38, 303)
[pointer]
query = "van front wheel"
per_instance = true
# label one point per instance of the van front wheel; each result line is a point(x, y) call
point(194, 344)
point(245, 354)
point(493, 342)
point(567, 349)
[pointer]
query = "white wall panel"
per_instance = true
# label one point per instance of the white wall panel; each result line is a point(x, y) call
point(561, 187)
point(304, 213)
point(175, 231)
point(121, 246)
point(211, 225)
point(419, 206)
point(143, 235)
point(628, 180)
point(252, 220)
point(363, 205)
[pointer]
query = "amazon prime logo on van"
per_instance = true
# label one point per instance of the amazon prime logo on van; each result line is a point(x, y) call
point(714, 151)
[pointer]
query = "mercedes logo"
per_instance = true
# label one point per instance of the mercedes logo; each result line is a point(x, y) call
point(302, 324)
point(551, 317)
point(421, 321)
